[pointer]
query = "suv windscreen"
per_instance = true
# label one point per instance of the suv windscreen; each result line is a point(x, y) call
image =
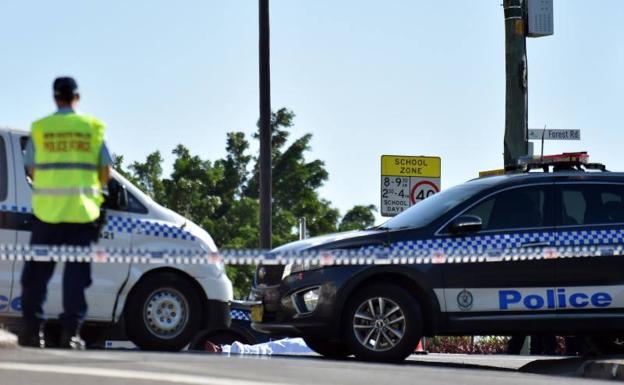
point(591, 204)
point(516, 208)
point(432, 208)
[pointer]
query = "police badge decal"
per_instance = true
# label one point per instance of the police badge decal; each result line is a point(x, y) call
point(464, 300)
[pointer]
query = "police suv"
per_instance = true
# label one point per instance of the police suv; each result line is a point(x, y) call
point(157, 306)
point(380, 312)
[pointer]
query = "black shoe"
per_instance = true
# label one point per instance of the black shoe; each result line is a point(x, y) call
point(32, 338)
point(73, 342)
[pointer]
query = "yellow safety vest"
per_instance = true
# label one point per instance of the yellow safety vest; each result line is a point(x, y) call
point(66, 187)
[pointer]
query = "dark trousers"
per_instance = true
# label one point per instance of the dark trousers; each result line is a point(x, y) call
point(76, 277)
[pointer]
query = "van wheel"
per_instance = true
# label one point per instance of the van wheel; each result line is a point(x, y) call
point(327, 348)
point(163, 313)
point(382, 323)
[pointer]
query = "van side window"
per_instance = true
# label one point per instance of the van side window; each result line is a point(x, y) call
point(23, 143)
point(517, 208)
point(134, 206)
point(4, 171)
point(591, 204)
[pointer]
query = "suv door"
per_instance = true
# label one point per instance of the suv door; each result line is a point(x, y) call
point(516, 290)
point(590, 213)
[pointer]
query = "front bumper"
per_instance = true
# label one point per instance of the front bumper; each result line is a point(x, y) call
point(281, 316)
point(217, 315)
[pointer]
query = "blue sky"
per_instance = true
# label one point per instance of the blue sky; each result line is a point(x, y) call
point(365, 77)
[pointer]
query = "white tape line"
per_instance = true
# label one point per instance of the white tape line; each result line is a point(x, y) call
point(126, 374)
point(307, 258)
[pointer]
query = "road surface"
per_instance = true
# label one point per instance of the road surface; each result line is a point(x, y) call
point(51, 367)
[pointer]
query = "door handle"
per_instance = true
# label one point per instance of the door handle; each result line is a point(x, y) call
point(535, 244)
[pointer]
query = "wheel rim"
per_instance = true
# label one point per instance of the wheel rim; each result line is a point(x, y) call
point(379, 324)
point(166, 313)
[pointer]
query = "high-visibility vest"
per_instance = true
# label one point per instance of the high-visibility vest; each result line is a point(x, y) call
point(66, 186)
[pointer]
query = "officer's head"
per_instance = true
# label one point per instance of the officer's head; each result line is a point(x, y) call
point(65, 91)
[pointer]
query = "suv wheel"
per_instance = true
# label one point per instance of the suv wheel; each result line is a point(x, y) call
point(382, 323)
point(163, 313)
point(327, 348)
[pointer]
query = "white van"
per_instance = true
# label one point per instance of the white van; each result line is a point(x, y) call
point(159, 306)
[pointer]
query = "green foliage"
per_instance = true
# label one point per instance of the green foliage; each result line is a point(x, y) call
point(222, 196)
point(359, 217)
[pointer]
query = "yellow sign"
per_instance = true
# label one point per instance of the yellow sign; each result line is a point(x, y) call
point(500, 171)
point(417, 166)
point(257, 312)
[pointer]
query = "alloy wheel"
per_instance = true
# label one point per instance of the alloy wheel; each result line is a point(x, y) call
point(379, 324)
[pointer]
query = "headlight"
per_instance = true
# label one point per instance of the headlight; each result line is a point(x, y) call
point(293, 268)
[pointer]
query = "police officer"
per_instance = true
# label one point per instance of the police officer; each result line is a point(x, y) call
point(68, 163)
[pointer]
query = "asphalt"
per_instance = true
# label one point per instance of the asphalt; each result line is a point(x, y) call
point(51, 367)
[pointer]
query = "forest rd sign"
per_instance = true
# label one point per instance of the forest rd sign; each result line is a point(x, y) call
point(554, 134)
point(406, 180)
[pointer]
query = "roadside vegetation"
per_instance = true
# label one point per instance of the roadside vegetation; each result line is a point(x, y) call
point(221, 195)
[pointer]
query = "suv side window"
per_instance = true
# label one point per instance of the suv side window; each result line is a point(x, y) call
point(4, 182)
point(516, 208)
point(591, 204)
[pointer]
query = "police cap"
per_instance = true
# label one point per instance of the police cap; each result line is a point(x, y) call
point(65, 86)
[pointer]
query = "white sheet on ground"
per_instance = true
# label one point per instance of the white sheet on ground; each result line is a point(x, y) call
point(284, 346)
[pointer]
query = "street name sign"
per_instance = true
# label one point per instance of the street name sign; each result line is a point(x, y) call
point(554, 134)
point(406, 180)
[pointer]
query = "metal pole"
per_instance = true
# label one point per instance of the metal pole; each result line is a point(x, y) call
point(265, 126)
point(302, 228)
point(516, 97)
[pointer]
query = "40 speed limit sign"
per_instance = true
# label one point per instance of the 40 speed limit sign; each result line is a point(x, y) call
point(407, 180)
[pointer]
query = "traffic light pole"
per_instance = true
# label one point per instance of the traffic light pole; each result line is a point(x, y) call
point(265, 126)
point(516, 97)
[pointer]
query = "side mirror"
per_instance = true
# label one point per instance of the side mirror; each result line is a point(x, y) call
point(121, 197)
point(466, 224)
point(117, 196)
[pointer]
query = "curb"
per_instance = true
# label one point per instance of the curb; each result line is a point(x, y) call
point(7, 340)
point(605, 369)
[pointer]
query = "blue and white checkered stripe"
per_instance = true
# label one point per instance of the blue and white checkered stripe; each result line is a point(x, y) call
point(511, 241)
point(123, 224)
point(241, 315)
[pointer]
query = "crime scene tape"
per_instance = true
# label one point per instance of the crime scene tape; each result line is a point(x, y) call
point(363, 256)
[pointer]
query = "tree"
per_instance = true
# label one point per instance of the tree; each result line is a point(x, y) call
point(222, 196)
point(359, 217)
point(148, 175)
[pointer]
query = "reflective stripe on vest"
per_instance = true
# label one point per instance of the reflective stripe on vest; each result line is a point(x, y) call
point(66, 166)
point(68, 191)
point(66, 186)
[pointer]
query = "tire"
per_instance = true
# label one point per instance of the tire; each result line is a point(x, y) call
point(179, 319)
point(327, 348)
point(372, 337)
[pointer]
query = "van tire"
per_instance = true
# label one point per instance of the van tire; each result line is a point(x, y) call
point(406, 321)
point(163, 312)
